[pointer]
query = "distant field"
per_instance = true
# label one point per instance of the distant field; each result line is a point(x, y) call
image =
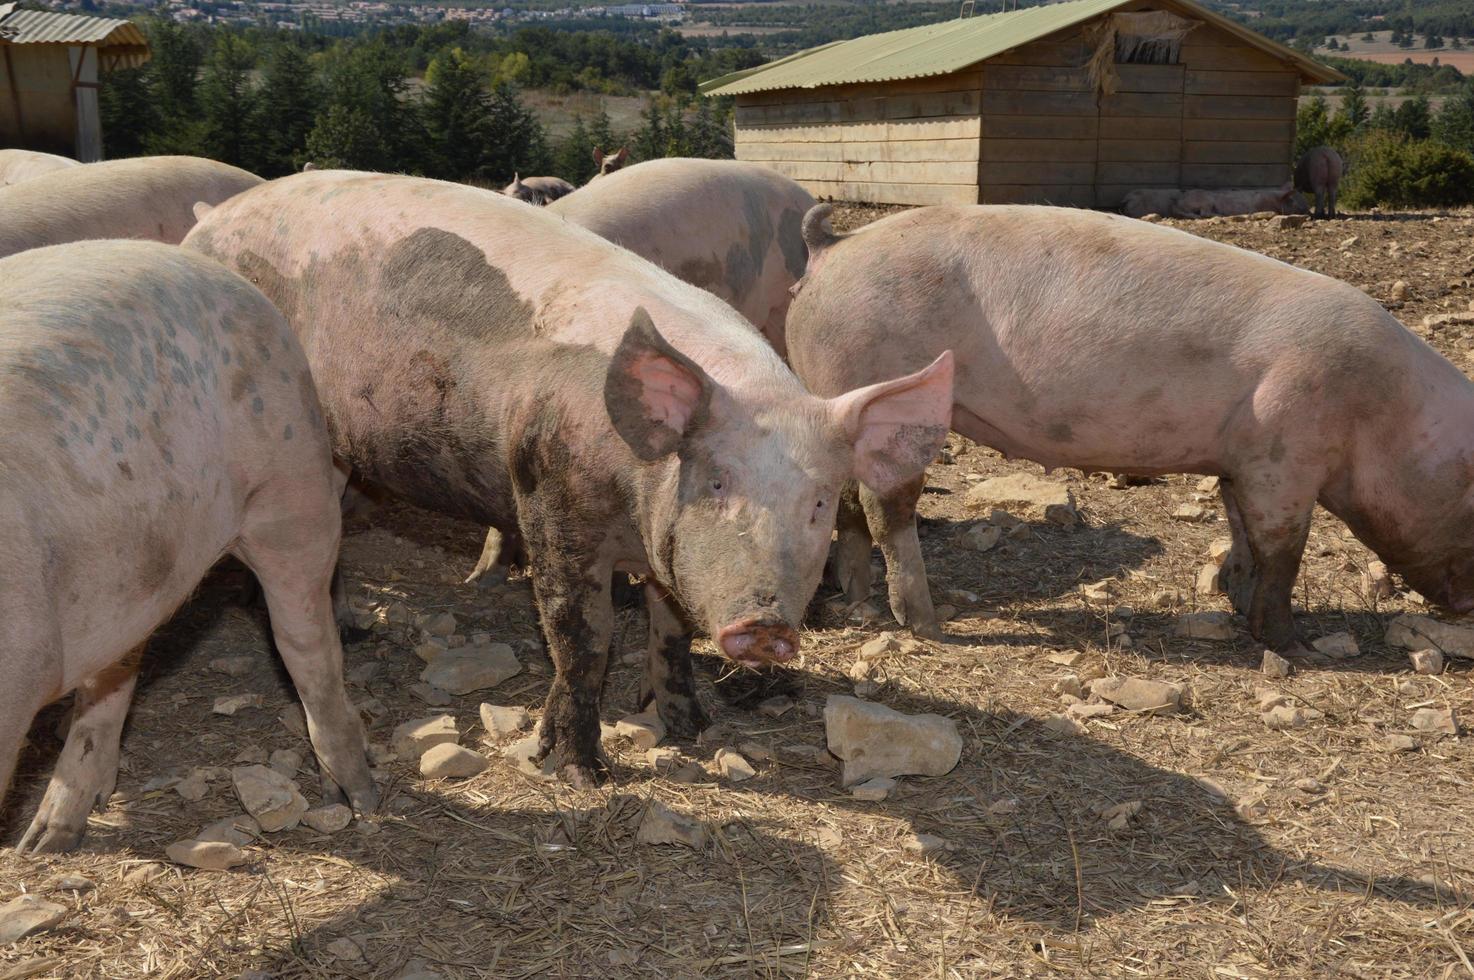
point(557, 112)
point(1383, 51)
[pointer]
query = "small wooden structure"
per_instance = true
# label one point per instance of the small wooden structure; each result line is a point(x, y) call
point(1071, 103)
point(49, 66)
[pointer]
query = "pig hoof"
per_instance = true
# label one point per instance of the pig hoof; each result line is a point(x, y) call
point(684, 717)
point(44, 837)
point(580, 777)
point(352, 634)
point(928, 631)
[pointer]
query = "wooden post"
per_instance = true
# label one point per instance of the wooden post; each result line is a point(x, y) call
point(20, 125)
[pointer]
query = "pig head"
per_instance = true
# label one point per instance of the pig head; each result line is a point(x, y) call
point(738, 512)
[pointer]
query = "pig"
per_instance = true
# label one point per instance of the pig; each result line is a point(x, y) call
point(1206, 204)
point(159, 414)
point(1106, 344)
point(1150, 200)
point(609, 162)
point(540, 191)
point(495, 362)
point(19, 165)
point(142, 197)
point(732, 228)
point(1319, 173)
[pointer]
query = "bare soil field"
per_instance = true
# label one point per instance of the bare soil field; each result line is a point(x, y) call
point(1381, 49)
point(1200, 843)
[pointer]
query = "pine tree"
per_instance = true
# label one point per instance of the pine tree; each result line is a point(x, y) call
point(228, 103)
point(708, 134)
point(516, 141)
point(1354, 106)
point(1454, 123)
point(456, 113)
point(573, 159)
point(375, 127)
point(289, 101)
point(343, 136)
point(649, 141)
point(172, 71)
point(1414, 117)
point(127, 111)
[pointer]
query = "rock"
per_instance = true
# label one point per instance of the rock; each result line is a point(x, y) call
point(1285, 221)
point(1399, 743)
point(1400, 291)
point(1138, 694)
point(1193, 514)
point(1085, 710)
point(213, 855)
point(468, 669)
point(644, 729)
point(662, 825)
point(1165, 599)
point(437, 624)
point(1219, 548)
point(1068, 659)
point(450, 761)
point(1210, 580)
point(363, 674)
point(776, 707)
point(1376, 582)
point(328, 819)
point(1426, 661)
point(1337, 646)
point(1208, 484)
point(431, 695)
point(981, 537)
point(663, 758)
point(69, 883)
point(293, 720)
point(344, 948)
point(417, 969)
point(691, 772)
point(233, 666)
point(522, 754)
point(874, 790)
point(925, 844)
point(1118, 816)
point(500, 720)
point(194, 787)
point(732, 765)
point(1349, 242)
point(431, 650)
point(414, 738)
point(26, 915)
point(1063, 725)
point(1205, 626)
point(1413, 631)
point(1437, 321)
point(758, 751)
point(1049, 500)
point(1102, 591)
point(1273, 665)
point(1284, 717)
point(286, 761)
point(859, 670)
point(1309, 786)
point(239, 830)
point(1436, 720)
point(874, 740)
point(270, 797)
point(1068, 686)
point(230, 704)
point(1152, 218)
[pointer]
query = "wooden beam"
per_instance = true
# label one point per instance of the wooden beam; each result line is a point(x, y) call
point(1263, 83)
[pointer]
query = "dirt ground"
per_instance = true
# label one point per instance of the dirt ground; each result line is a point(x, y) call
point(1254, 853)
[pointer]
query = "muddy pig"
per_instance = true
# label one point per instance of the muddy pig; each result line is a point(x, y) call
point(608, 163)
point(159, 414)
point(1207, 204)
point(1102, 343)
point(1319, 173)
point(436, 316)
point(143, 197)
point(19, 165)
point(540, 191)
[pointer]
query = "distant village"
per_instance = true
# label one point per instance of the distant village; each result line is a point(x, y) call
point(294, 15)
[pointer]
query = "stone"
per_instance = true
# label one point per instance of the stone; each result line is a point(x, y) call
point(662, 825)
point(1063, 725)
point(874, 740)
point(212, 855)
point(1285, 717)
point(1219, 548)
point(232, 703)
point(468, 669)
point(1208, 484)
point(874, 790)
point(26, 915)
point(1067, 659)
point(450, 761)
point(437, 624)
point(1285, 221)
point(1349, 242)
point(344, 948)
point(1337, 646)
point(328, 819)
point(414, 738)
point(363, 674)
point(644, 729)
point(1102, 591)
point(1273, 665)
point(776, 707)
point(194, 787)
point(731, 764)
point(880, 647)
point(1085, 710)
point(1210, 580)
point(1205, 626)
point(1036, 496)
point(691, 772)
point(270, 797)
point(1068, 686)
point(501, 720)
point(285, 761)
point(1438, 321)
point(925, 844)
point(1426, 661)
point(1165, 599)
point(1310, 786)
point(981, 537)
point(233, 666)
point(1400, 291)
point(70, 883)
point(663, 758)
point(755, 750)
point(431, 695)
point(523, 753)
point(239, 830)
point(418, 969)
point(1193, 514)
point(1376, 581)
point(431, 649)
point(1399, 743)
point(1413, 631)
point(294, 720)
point(1118, 816)
point(1138, 694)
point(1436, 720)
point(859, 670)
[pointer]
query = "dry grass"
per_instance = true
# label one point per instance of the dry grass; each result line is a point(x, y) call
point(1229, 870)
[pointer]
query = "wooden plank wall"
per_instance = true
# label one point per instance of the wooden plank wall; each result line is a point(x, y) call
point(912, 142)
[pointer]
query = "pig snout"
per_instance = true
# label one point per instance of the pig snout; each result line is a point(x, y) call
point(758, 640)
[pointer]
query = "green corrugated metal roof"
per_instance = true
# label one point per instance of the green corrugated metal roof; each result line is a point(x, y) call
point(940, 49)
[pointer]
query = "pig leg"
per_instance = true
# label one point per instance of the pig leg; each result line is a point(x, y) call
point(292, 548)
point(578, 619)
point(852, 554)
point(1331, 195)
point(1238, 568)
point(88, 768)
point(668, 680)
point(490, 571)
point(892, 521)
point(1276, 523)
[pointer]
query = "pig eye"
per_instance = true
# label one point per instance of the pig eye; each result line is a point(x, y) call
point(717, 485)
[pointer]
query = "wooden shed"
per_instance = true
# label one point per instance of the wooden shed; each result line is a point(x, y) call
point(49, 67)
point(1071, 103)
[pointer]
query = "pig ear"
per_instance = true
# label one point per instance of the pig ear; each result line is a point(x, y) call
point(202, 208)
point(899, 426)
point(654, 394)
point(598, 157)
point(622, 155)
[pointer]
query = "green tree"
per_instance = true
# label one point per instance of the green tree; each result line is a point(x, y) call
point(228, 103)
point(1354, 106)
point(456, 113)
point(173, 71)
point(649, 141)
point(516, 141)
point(290, 98)
point(343, 136)
point(709, 136)
point(1454, 123)
point(376, 126)
point(573, 158)
point(126, 108)
point(1414, 117)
